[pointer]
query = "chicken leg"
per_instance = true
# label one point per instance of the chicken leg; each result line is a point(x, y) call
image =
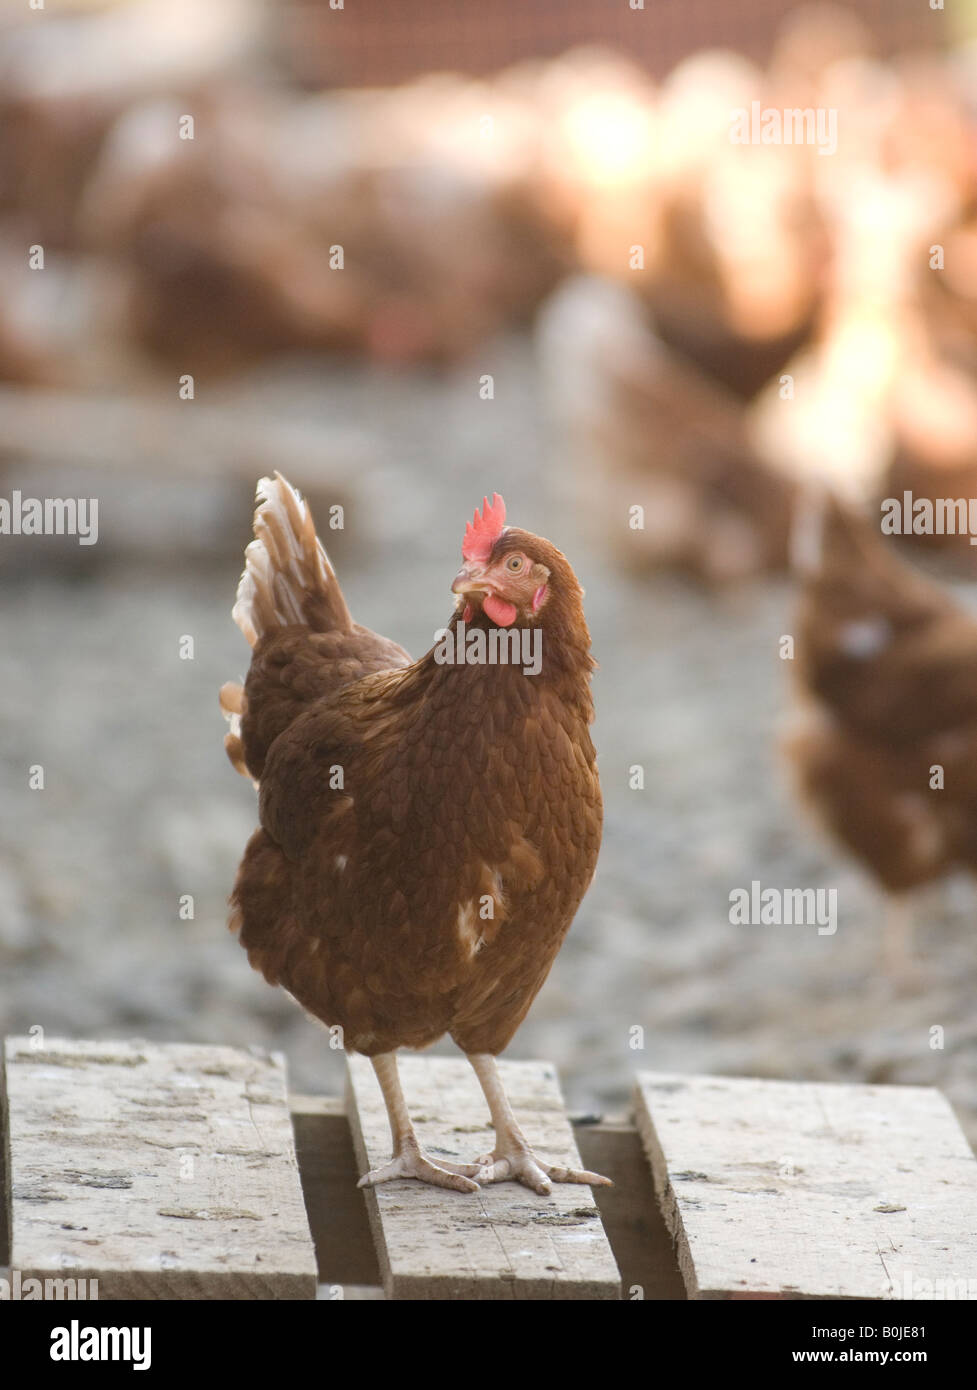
point(408, 1160)
point(900, 965)
point(513, 1159)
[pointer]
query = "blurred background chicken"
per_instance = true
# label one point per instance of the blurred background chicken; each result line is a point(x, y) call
point(312, 224)
point(666, 438)
point(885, 740)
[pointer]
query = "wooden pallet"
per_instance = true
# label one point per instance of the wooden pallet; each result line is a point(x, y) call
point(503, 1242)
point(159, 1171)
point(778, 1189)
point(165, 449)
point(176, 1171)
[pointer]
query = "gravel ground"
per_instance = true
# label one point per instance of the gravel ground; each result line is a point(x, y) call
point(140, 805)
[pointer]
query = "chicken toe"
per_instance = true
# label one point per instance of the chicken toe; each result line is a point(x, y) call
point(408, 1161)
point(412, 1163)
point(513, 1159)
point(519, 1164)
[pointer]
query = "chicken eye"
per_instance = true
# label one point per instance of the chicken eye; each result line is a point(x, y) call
point(514, 564)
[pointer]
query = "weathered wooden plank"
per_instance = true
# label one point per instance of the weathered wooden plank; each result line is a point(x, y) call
point(128, 432)
point(350, 1293)
point(502, 1242)
point(635, 1226)
point(803, 1190)
point(4, 1174)
point(162, 1171)
point(75, 444)
point(338, 1221)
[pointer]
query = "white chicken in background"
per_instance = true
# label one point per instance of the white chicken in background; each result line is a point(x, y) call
point(644, 429)
point(829, 413)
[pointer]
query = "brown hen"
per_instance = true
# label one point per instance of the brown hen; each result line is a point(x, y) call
point(886, 744)
point(428, 828)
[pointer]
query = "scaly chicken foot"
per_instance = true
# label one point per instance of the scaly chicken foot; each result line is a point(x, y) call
point(411, 1162)
point(408, 1160)
point(513, 1159)
point(520, 1164)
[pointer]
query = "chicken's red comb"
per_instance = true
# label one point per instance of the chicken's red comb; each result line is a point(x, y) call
point(483, 531)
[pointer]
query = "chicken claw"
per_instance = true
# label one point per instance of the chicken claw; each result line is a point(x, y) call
point(411, 1163)
point(521, 1165)
point(513, 1160)
point(408, 1160)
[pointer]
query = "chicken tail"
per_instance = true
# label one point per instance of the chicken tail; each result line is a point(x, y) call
point(287, 577)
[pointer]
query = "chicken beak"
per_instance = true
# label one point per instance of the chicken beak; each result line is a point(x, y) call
point(467, 581)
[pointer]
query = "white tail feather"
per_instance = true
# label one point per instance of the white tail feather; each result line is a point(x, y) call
point(284, 564)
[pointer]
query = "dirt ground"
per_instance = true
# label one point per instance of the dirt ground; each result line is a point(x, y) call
point(140, 805)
